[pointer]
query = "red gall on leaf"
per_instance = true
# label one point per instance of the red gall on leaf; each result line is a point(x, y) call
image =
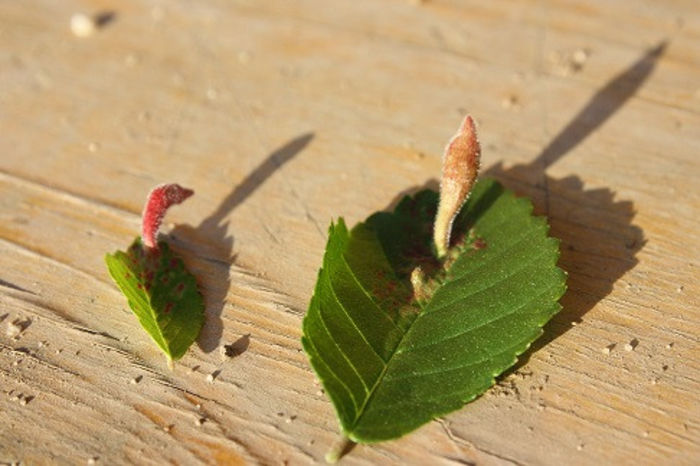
point(460, 166)
point(159, 200)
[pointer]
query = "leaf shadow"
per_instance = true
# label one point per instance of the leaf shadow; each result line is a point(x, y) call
point(599, 244)
point(210, 246)
point(599, 241)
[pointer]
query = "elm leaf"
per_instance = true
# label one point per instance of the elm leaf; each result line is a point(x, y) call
point(399, 337)
point(162, 293)
point(160, 290)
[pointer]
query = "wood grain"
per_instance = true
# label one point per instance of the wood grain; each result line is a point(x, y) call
point(283, 115)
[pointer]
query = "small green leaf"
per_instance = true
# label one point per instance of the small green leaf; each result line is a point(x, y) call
point(398, 337)
point(162, 293)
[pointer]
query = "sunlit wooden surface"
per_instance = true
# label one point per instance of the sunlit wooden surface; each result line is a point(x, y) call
point(282, 115)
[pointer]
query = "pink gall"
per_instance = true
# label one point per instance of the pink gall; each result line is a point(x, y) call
point(460, 166)
point(159, 200)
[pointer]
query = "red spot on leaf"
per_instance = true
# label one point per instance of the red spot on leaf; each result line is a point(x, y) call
point(479, 244)
point(168, 308)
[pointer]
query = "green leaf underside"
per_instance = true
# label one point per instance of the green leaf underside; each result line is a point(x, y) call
point(391, 362)
point(162, 293)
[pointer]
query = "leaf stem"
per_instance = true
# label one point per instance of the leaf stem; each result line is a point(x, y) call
point(340, 448)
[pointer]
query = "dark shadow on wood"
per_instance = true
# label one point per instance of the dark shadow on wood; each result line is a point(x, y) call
point(209, 246)
point(600, 107)
point(238, 347)
point(12, 286)
point(272, 163)
point(104, 18)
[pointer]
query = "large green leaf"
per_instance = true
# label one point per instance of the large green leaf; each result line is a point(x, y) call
point(396, 347)
point(162, 293)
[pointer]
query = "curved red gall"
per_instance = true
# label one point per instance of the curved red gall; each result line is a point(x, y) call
point(157, 203)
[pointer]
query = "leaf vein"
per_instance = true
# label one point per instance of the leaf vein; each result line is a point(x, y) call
point(340, 350)
point(354, 324)
point(335, 376)
point(439, 371)
point(485, 263)
point(524, 265)
point(483, 324)
point(366, 293)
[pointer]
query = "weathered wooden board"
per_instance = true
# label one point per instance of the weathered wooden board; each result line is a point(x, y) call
point(282, 115)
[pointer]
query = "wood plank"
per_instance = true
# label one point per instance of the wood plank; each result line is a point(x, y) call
point(283, 115)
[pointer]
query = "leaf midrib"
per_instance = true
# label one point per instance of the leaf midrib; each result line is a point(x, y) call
point(160, 340)
point(386, 366)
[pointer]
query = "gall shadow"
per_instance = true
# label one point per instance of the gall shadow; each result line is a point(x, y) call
point(210, 246)
point(599, 241)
